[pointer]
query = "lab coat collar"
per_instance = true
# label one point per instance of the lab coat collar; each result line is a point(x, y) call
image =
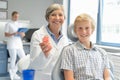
point(61, 41)
point(53, 36)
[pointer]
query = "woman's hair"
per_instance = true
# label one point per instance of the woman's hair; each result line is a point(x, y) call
point(52, 8)
point(84, 17)
point(14, 12)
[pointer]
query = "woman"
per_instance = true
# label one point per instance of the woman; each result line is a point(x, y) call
point(14, 43)
point(83, 60)
point(47, 43)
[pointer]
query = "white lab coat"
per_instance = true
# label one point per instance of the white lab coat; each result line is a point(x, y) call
point(39, 62)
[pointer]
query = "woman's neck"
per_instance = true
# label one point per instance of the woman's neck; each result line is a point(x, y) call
point(55, 31)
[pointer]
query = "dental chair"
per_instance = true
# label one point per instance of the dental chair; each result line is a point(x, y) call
point(23, 63)
point(57, 73)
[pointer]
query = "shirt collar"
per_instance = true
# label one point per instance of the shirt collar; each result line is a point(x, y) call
point(51, 32)
point(48, 30)
point(53, 36)
point(82, 47)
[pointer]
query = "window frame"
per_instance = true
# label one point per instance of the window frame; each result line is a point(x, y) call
point(99, 24)
point(4, 4)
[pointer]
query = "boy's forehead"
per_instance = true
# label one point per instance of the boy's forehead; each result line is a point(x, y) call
point(83, 23)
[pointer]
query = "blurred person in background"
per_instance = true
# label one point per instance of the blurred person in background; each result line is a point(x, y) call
point(14, 43)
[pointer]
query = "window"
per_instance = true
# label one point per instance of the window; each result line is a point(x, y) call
point(110, 23)
point(3, 4)
point(3, 9)
point(83, 6)
point(106, 13)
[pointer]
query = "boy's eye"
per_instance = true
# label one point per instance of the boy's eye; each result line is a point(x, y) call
point(60, 14)
point(80, 28)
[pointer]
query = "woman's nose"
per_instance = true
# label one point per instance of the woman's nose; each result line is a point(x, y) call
point(57, 17)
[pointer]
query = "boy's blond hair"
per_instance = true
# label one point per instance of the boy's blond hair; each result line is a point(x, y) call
point(84, 17)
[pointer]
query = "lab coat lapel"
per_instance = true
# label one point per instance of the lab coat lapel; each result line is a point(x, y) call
point(51, 40)
point(63, 41)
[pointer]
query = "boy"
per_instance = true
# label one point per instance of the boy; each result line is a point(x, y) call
point(82, 60)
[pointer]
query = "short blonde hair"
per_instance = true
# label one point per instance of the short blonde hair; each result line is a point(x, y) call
point(84, 17)
point(52, 8)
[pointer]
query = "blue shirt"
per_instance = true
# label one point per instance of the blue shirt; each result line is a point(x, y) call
point(53, 36)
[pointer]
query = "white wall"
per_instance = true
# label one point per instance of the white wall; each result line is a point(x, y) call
point(30, 12)
point(58, 1)
point(65, 4)
point(33, 10)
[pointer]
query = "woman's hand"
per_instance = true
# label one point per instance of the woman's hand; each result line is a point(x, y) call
point(45, 46)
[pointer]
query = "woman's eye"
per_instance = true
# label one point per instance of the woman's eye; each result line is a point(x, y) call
point(53, 15)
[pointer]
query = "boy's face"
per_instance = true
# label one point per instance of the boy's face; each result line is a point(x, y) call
point(84, 31)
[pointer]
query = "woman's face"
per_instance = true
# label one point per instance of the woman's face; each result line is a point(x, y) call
point(56, 18)
point(84, 31)
point(15, 17)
